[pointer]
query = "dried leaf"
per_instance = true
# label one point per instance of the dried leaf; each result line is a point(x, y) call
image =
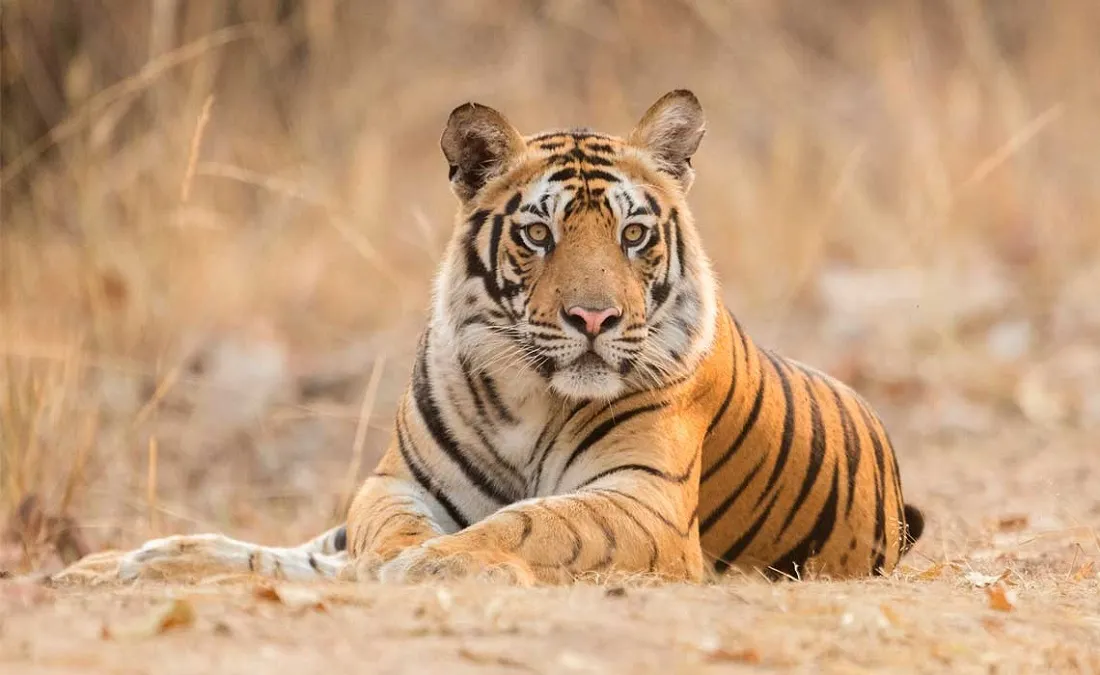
point(933, 572)
point(223, 629)
point(294, 597)
point(487, 659)
point(1000, 598)
point(1012, 523)
point(178, 614)
point(265, 592)
point(891, 616)
point(1085, 571)
point(979, 580)
point(172, 616)
point(722, 655)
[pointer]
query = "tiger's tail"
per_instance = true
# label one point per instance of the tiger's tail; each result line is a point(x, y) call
point(914, 526)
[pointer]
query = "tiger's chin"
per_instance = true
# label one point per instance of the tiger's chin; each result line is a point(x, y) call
point(589, 377)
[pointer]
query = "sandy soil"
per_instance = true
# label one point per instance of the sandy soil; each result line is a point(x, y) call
point(1004, 581)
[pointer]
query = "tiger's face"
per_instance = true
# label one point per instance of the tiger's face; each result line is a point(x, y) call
point(575, 256)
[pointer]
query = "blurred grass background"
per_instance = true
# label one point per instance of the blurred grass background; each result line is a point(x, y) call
point(220, 221)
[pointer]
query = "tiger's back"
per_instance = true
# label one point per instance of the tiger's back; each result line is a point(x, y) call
point(798, 473)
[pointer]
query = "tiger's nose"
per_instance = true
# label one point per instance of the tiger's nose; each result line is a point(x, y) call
point(591, 321)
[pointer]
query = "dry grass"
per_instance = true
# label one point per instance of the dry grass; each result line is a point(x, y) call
point(220, 222)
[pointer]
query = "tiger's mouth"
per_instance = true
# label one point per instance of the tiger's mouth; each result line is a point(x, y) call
point(590, 360)
point(589, 376)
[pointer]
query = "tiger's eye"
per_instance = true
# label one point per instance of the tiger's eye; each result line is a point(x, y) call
point(633, 234)
point(538, 234)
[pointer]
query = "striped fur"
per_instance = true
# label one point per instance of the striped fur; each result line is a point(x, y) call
point(526, 450)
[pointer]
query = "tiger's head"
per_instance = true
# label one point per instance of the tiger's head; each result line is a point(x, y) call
point(575, 259)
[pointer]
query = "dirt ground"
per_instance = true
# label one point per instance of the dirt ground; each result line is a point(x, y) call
point(220, 223)
point(1005, 580)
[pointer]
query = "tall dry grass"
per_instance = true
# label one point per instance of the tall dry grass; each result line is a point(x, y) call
point(220, 217)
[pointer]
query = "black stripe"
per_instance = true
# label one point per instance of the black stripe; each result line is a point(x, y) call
point(517, 481)
point(528, 526)
point(683, 532)
point(597, 174)
point(539, 441)
point(577, 541)
point(787, 439)
point(816, 538)
point(491, 393)
point(746, 428)
point(892, 457)
point(643, 468)
point(734, 552)
point(659, 293)
point(494, 243)
point(479, 405)
point(645, 531)
point(475, 267)
point(551, 444)
point(474, 264)
point(551, 135)
point(512, 204)
point(572, 205)
point(729, 392)
point(610, 544)
point(716, 515)
point(409, 455)
point(441, 434)
point(816, 458)
point(667, 228)
point(598, 408)
point(383, 525)
point(880, 515)
point(580, 156)
point(902, 544)
point(674, 218)
point(853, 448)
point(654, 205)
point(604, 428)
point(563, 174)
point(479, 320)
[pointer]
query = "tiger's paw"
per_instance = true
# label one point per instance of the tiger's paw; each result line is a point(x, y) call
point(180, 557)
point(440, 562)
point(116, 566)
point(94, 569)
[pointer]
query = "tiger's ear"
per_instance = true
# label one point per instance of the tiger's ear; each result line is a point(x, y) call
point(478, 144)
point(671, 131)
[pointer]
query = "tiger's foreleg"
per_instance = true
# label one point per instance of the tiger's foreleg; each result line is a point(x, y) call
point(636, 524)
point(390, 514)
point(203, 556)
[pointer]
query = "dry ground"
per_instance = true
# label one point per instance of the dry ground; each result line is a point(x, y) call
point(219, 226)
point(1005, 581)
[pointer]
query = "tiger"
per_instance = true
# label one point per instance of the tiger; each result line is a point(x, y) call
point(582, 403)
